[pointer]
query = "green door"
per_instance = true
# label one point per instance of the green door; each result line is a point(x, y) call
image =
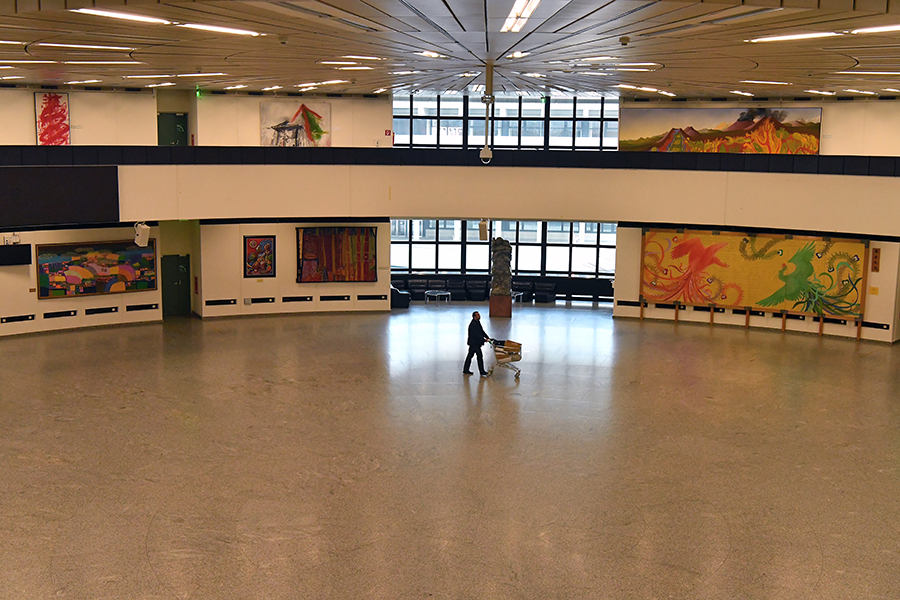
point(176, 285)
point(172, 129)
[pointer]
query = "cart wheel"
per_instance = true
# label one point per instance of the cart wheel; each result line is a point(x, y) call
point(517, 375)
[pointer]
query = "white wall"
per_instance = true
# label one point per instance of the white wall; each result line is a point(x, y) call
point(96, 118)
point(221, 251)
point(19, 286)
point(233, 120)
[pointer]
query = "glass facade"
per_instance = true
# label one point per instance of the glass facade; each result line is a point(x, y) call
point(540, 248)
point(454, 121)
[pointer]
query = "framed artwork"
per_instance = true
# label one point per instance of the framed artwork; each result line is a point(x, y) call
point(51, 111)
point(92, 268)
point(336, 254)
point(725, 130)
point(295, 124)
point(259, 256)
point(806, 275)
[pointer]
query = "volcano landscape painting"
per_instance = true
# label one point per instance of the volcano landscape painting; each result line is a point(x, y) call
point(734, 130)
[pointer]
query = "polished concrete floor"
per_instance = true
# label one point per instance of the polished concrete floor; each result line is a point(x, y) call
point(347, 457)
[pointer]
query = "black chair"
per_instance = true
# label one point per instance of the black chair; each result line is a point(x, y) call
point(544, 292)
point(399, 298)
point(477, 290)
point(527, 289)
point(457, 290)
point(400, 284)
point(417, 288)
point(437, 284)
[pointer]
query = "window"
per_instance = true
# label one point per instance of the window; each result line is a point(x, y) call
point(454, 121)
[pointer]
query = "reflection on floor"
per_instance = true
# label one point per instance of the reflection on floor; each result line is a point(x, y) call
point(347, 457)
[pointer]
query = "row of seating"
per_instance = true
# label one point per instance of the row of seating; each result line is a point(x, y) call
point(476, 290)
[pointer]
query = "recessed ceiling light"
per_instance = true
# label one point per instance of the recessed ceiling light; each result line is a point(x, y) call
point(102, 62)
point(852, 91)
point(740, 93)
point(820, 93)
point(519, 15)
point(518, 54)
point(848, 72)
point(217, 29)
point(882, 29)
point(200, 74)
point(155, 85)
point(336, 62)
point(118, 15)
point(766, 82)
point(362, 57)
point(146, 76)
point(797, 36)
point(85, 81)
point(86, 46)
point(271, 88)
point(235, 87)
point(354, 68)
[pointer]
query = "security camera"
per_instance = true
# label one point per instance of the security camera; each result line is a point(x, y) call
point(624, 40)
point(485, 155)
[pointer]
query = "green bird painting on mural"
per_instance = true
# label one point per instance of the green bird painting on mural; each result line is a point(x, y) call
point(834, 292)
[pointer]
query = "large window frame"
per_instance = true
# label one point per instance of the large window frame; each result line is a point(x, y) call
point(419, 121)
point(415, 241)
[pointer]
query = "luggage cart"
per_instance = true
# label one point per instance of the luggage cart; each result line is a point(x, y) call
point(506, 352)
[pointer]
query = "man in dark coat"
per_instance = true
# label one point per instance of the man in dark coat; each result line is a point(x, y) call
point(477, 337)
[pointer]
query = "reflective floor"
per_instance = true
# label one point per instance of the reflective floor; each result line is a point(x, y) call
point(346, 457)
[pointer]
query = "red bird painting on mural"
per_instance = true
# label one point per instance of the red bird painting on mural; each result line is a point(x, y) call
point(668, 279)
point(53, 120)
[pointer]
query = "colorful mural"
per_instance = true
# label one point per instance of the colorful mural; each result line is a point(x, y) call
point(259, 256)
point(294, 124)
point(90, 268)
point(804, 275)
point(52, 118)
point(731, 130)
point(336, 254)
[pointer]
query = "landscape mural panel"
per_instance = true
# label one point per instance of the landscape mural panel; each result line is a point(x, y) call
point(725, 130)
point(91, 268)
point(810, 275)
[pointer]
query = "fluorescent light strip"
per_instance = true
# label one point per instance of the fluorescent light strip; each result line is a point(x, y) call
point(820, 93)
point(637, 64)
point(156, 85)
point(217, 29)
point(596, 58)
point(519, 15)
point(794, 37)
point(404, 72)
point(307, 89)
point(766, 82)
point(518, 54)
point(12, 43)
point(146, 76)
point(330, 82)
point(535, 75)
point(336, 62)
point(86, 46)
point(380, 91)
point(852, 91)
point(28, 62)
point(595, 73)
point(13, 77)
point(103, 62)
point(6, 67)
point(430, 54)
point(669, 94)
point(635, 70)
point(124, 16)
point(858, 72)
point(740, 93)
point(272, 88)
point(354, 68)
point(200, 74)
point(469, 74)
point(82, 82)
point(882, 29)
point(625, 86)
point(362, 57)
point(235, 87)
point(891, 90)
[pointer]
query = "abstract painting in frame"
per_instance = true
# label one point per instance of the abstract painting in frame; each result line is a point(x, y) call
point(336, 254)
point(295, 124)
point(92, 268)
point(805, 275)
point(51, 112)
point(725, 130)
point(259, 256)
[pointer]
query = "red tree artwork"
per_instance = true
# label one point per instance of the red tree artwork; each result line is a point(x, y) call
point(52, 119)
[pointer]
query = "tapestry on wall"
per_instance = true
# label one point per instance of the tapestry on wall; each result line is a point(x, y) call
point(819, 276)
point(90, 268)
point(336, 254)
point(51, 112)
point(294, 123)
point(731, 130)
point(259, 256)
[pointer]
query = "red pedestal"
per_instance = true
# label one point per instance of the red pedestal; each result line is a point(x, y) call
point(501, 306)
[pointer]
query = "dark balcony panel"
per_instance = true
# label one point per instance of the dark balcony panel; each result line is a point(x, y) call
point(732, 162)
point(660, 160)
point(206, 155)
point(684, 161)
point(709, 161)
point(35, 155)
point(159, 155)
point(806, 164)
point(10, 156)
point(275, 155)
point(756, 163)
point(781, 163)
point(134, 155)
point(317, 156)
point(636, 160)
point(254, 155)
point(59, 155)
point(183, 155)
point(84, 155)
point(230, 155)
point(856, 165)
point(882, 166)
point(831, 165)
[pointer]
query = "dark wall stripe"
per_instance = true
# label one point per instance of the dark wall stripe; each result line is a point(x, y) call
point(334, 298)
point(101, 311)
point(60, 313)
point(17, 319)
point(138, 307)
point(297, 299)
point(220, 302)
